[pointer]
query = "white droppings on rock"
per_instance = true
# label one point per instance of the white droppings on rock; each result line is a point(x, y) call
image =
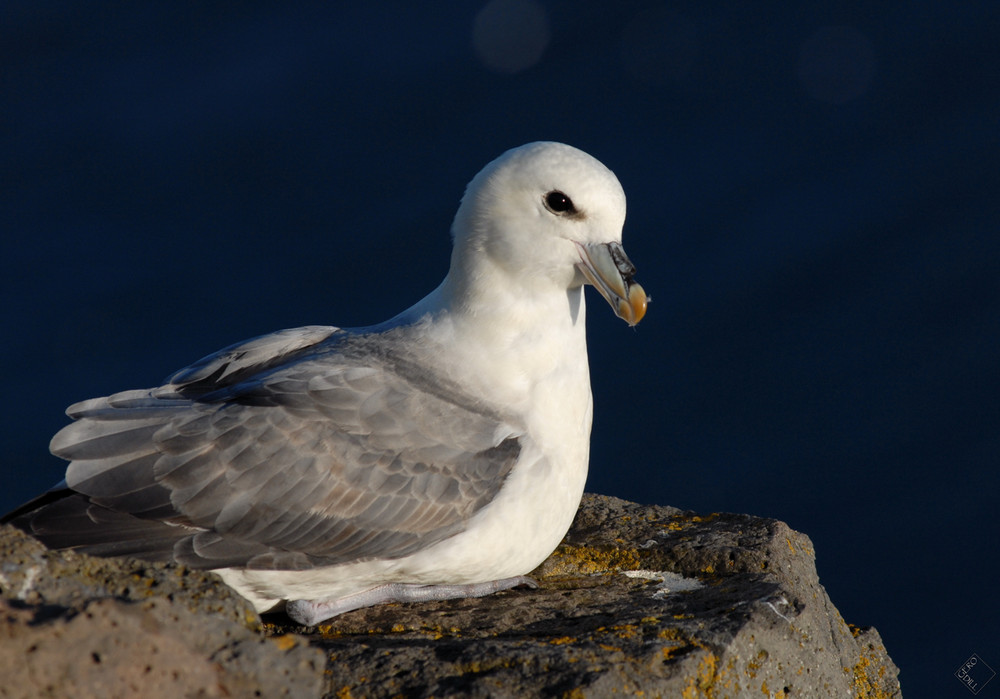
point(669, 582)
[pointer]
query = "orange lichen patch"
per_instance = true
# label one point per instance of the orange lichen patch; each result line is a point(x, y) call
point(673, 634)
point(588, 560)
point(681, 522)
point(433, 632)
point(625, 630)
point(867, 672)
point(478, 667)
point(330, 631)
point(285, 642)
point(670, 651)
point(803, 545)
point(780, 694)
point(703, 683)
point(562, 640)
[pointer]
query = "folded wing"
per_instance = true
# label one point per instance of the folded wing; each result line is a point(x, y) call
point(308, 447)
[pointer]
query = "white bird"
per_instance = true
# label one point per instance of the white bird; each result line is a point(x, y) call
point(440, 454)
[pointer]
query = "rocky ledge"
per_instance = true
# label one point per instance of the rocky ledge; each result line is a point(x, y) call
point(637, 601)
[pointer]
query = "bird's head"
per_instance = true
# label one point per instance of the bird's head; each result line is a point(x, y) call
point(549, 214)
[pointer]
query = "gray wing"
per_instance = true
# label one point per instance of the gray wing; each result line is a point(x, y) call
point(307, 447)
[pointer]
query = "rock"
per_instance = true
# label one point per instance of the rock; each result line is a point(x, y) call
point(74, 625)
point(31, 573)
point(638, 600)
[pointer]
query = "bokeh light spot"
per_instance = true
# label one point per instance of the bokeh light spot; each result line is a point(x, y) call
point(510, 35)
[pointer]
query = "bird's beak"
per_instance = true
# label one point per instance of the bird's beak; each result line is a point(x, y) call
point(608, 268)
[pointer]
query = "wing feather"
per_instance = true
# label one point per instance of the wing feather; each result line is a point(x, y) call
point(308, 447)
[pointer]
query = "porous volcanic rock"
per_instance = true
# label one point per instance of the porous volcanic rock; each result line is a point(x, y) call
point(637, 601)
point(77, 626)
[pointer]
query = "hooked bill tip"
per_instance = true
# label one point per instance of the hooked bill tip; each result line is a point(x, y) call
point(633, 309)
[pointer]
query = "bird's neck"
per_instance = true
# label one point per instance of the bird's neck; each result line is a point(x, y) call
point(507, 310)
point(519, 340)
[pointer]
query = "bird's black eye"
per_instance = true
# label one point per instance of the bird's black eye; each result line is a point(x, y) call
point(559, 203)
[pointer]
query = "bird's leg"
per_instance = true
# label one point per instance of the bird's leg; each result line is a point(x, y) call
point(312, 612)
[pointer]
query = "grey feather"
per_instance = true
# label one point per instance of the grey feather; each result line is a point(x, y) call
point(312, 446)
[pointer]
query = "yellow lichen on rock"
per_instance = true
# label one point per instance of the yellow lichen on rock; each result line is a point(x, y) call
point(285, 641)
point(681, 522)
point(588, 560)
point(703, 683)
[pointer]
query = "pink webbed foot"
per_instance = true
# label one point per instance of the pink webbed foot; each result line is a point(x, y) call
point(312, 612)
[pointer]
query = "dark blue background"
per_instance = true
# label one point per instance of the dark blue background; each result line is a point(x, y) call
point(813, 204)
